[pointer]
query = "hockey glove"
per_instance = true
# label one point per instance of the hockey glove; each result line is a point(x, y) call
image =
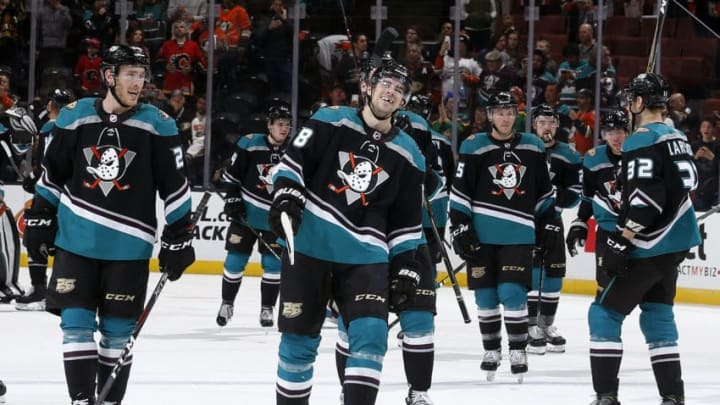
point(614, 260)
point(549, 232)
point(404, 281)
point(291, 201)
point(577, 235)
point(234, 205)
point(176, 250)
point(465, 242)
point(39, 235)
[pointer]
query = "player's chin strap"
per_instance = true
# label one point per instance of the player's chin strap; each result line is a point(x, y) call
point(112, 91)
point(368, 101)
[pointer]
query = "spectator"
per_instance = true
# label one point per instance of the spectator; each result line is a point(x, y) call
point(469, 72)
point(446, 30)
point(706, 154)
point(87, 68)
point(584, 122)
point(232, 26)
point(187, 10)
point(540, 78)
point(479, 124)
point(610, 93)
point(500, 45)
point(495, 77)
point(514, 49)
point(412, 36)
point(182, 115)
point(337, 95)
point(567, 74)
point(551, 66)
point(100, 24)
point(7, 99)
point(136, 37)
point(586, 42)
point(152, 95)
point(55, 22)
point(684, 118)
point(443, 124)
point(10, 39)
point(272, 35)
point(196, 150)
point(179, 55)
point(552, 98)
point(420, 71)
point(578, 13)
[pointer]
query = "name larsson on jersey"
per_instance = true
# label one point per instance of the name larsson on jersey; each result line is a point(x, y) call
point(679, 147)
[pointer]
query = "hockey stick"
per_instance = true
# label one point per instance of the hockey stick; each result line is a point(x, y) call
point(709, 212)
point(657, 37)
point(289, 236)
point(349, 35)
point(448, 265)
point(146, 312)
point(246, 224)
point(10, 155)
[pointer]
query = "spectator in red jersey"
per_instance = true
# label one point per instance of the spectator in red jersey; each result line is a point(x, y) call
point(180, 54)
point(87, 68)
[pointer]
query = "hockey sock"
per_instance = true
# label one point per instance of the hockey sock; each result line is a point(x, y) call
point(657, 323)
point(368, 345)
point(270, 283)
point(80, 353)
point(605, 359)
point(357, 394)
point(489, 319)
point(295, 368)
point(549, 301)
point(38, 273)
point(342, 351)
point(532, 297)
point(116, 333)
point(668, 373)
point(232, 275)
point(514, 298)
point(418, 348)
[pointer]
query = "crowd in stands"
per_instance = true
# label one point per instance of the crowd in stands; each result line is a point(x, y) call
point(253, 60)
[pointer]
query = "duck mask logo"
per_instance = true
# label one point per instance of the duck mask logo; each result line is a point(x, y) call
point(107, 162)
point(360, 175)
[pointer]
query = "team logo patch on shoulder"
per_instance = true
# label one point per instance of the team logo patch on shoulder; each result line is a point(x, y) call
point(471, 137)
point(591, 152)
point(641, 129)
point(71, 105)
point(333, 107)
point(163, 115)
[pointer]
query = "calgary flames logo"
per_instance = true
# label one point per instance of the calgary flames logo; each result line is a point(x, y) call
point(107, 162)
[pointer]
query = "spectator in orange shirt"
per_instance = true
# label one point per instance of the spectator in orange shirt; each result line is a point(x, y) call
point(584, 121)
point(233, 25)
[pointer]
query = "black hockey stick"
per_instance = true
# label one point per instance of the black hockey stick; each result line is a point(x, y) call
point(448, 265)
point(709, 212)
point(146, 312)
point(349, 35)
point(245, 223)
point(657, 37)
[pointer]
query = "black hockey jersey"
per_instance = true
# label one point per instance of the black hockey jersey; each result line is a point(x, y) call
point(363, 188)
point(658, 175)
point(565, 166)
point(601, 195)
point(501, 187)
point(249, 169)
point(101, 173)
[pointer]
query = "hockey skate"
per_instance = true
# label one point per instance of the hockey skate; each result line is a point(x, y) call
point(6, 295)
point(536, 340)
point(673, 400)
point(225, 313)
point(35, 301)
point(490, 363)
point(518, 363)
point(3, 390)
point(418, 398)
point(555, 342)
point(266, 317)
point(606, 399)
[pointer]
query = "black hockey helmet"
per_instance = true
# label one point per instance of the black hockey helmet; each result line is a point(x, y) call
point(389, 68)
point(420, 105)
point(544, 110)
point(278, 110)
point(614, 119)
point(651, 86)
point(502, 99)
point(61, 97)
point(119, 55)
point(6, 71)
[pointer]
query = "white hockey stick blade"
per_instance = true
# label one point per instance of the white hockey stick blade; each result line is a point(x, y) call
point(289, 236)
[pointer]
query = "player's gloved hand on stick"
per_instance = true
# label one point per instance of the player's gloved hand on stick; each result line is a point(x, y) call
point(615, 258)
point(404, 280)
point(465, 242)
point(577, 235)
point(40, 230)
point(549, 232)
point(290, 200)
point(176, 250)
point(234, 205)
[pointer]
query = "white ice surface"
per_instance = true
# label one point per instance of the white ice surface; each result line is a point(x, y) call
point(183, 358)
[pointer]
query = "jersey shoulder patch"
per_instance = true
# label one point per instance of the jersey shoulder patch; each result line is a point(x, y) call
point(591, 152)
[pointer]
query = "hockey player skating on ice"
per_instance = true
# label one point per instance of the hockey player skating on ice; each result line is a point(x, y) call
point(351, 183)
point(9, 253)
point(549, 263)
point(95, 202)
point(638, 262)
point(501, 190)
point(247, 201)
point(35, 299)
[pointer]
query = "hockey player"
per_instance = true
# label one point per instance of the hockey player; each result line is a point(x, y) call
point(247, 201)
point(501, 190)
point(638, 261)
point(9, 253)
point(549, 264)
point(35, 299)
point(351, 184)
point(94, 209)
